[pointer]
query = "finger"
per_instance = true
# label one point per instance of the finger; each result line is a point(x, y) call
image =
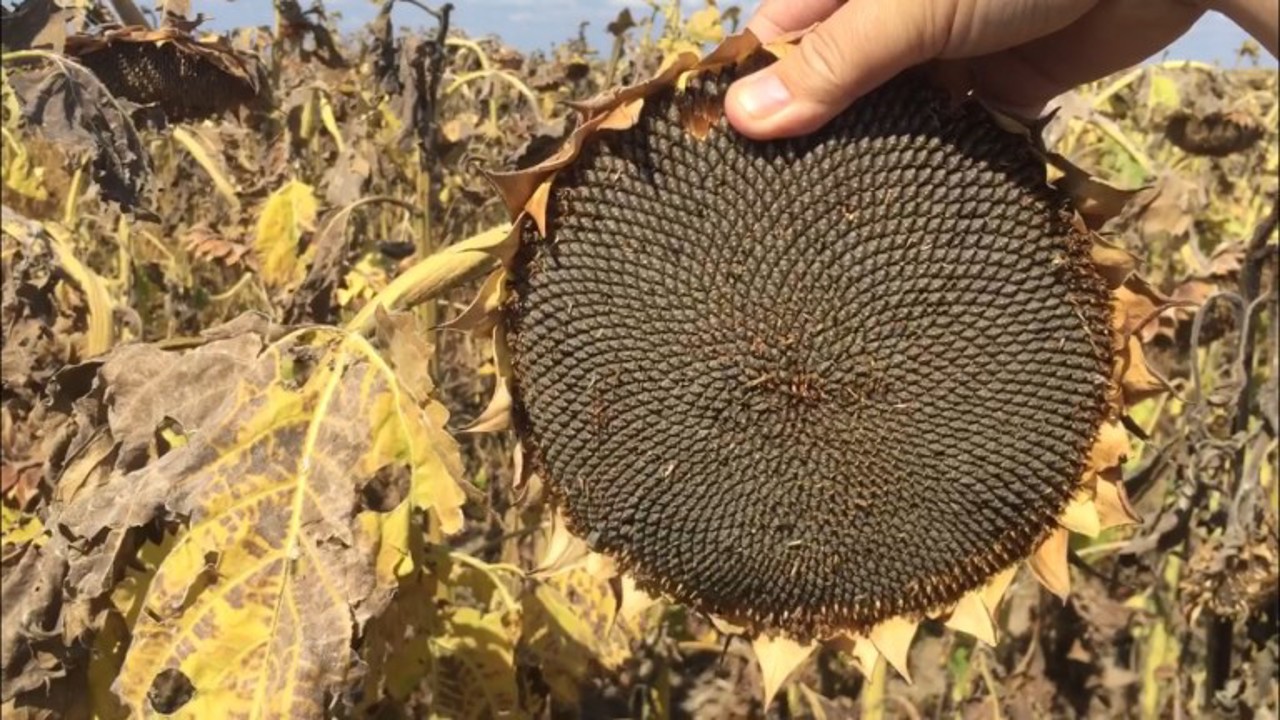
point(778, 17)
point(1112, 36)
point(862, 44)
point(866, 42)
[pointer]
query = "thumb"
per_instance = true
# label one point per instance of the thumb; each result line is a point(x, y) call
point(860, 46)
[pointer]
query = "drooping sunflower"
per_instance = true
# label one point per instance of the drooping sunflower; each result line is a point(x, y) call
point(186, 76)
point(819, 388)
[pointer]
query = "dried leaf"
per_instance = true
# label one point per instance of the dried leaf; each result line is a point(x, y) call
point(34, 24)
point(572, 633)
point(33, 649)
point(276, 558)
point(622, 23)
point(892, 639)
point(72, 108)
point(971, 616)
point(1215, 134)
point(206, 161)
point(474, 676)
point(313, 301)
point(1095, 200)
point(1049, 563)
point(209, 245)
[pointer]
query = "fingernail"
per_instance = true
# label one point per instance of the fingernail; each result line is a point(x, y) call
point(763, 95)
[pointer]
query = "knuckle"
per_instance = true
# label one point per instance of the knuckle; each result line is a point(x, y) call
point(822, 56)
point(940, 28)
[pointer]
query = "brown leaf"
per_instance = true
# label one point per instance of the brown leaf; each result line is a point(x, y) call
point(278, 439)
point(72, 108)
point(1170, 207)
point(1096, 201)
point(344, 182)
point(33, 650)
point(313, 300)
point(149, 384)
point(622, 23)
point(209, 245)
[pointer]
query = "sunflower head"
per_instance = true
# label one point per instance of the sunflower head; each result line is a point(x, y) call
point(820, 388)
point(185, 76)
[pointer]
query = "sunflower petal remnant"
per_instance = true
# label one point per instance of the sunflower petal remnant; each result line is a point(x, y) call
point(779, 657)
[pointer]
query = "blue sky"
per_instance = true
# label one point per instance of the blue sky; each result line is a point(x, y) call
point(535, 24)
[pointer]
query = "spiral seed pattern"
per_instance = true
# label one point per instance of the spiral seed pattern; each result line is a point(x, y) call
point(810, 384)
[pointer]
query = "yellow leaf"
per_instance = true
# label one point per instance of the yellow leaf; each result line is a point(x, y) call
point(474, 674)
point(1163, 91)
point(439, 272)
point(570, 630)
point(101, 333)
point(1161, 656)
point(290, 546)
point(330, 122)
point(17, 527)
point(21, 175)
point(288, 214)
point(206, 161)
point(112, 640)
point(397, 646)
point(389, 126)
point(704, 26)
point(363, 281)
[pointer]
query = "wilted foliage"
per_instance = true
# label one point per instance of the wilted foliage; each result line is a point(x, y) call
point(231, 484)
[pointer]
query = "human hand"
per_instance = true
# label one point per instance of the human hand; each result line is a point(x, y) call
point(1019, 53)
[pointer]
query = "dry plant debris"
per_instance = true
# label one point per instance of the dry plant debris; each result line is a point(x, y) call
point(258, 349)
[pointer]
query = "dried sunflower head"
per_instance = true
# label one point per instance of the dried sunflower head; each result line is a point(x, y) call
point(821, 388)
point(185, 76)
point(1215, 134)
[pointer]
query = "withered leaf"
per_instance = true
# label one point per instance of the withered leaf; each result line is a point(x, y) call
point(72, 108)
point(622, 23)
point(572, 632)
point(313, 301)
point(345, 181)
point(276, 566)
point(34, 24)
point(473, 677)
point(33, 649)
point(205, 243)
point(194, 387)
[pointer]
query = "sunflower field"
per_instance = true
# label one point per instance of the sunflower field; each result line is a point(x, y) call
point(406, 374)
